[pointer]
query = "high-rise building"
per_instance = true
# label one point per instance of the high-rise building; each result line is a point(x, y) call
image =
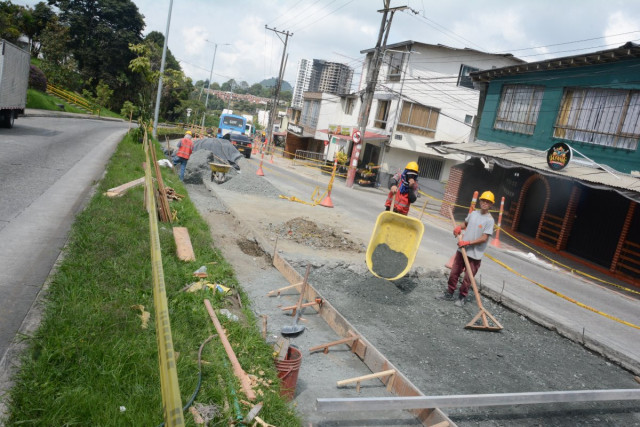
point(321, 76)
point(303, 77)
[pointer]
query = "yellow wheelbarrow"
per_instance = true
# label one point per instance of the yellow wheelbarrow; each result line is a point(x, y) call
point(394, 244)
point(219, 171)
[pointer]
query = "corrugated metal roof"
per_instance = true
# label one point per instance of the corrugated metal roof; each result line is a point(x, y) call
point(577, 169)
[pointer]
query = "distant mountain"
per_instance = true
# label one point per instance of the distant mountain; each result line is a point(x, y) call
point(272, 82)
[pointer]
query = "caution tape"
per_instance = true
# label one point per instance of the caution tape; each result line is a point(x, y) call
point(314, 197)
point(568, 268)
point(561, 295)
point(171, 401)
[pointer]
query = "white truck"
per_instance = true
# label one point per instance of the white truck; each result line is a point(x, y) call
point(14, 79)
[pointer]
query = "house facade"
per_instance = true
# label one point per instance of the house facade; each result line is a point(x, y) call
point(559, 140)
point(423, 96)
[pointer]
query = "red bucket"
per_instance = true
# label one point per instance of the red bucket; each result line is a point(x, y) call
point(288, 372)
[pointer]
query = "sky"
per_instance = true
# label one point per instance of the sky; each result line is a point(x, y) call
point(337, 30)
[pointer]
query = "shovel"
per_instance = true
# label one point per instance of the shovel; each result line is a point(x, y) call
point(295, 328)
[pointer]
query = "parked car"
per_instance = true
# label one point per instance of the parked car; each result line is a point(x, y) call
point(242, 142)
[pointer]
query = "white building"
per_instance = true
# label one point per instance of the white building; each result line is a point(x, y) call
point(424, 98)
point(303, 77)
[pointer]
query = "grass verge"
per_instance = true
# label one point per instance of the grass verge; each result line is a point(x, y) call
point(42, 101)
point(92, 362)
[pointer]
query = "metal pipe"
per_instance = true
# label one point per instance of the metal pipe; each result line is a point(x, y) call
point(472, 400)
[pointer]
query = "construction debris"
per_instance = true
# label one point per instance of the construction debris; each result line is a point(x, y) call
point(120, 190)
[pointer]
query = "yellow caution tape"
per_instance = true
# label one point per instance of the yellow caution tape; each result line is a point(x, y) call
point(548, 289)
point(171, 401)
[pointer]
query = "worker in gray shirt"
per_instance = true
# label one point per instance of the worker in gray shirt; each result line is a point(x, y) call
point(478, 228)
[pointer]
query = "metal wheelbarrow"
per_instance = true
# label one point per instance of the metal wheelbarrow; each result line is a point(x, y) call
point(393, 246)
point(219, 171)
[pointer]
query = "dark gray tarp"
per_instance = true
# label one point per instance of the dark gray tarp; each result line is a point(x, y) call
point(221, 148)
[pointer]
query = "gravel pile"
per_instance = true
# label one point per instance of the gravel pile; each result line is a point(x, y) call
point(308, 233)
point(247, 182)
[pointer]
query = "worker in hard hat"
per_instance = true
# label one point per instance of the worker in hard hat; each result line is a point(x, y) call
point(477, 228)
point(403, 189)
point(185, 148)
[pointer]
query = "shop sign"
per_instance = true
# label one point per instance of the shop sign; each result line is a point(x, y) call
point(558, 156)
point(294, 129)
point(341, 130)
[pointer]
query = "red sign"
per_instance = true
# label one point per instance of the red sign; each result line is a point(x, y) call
point(356, 136)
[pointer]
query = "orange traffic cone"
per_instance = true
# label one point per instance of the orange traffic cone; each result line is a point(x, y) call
point(449, 263)
point(259, 171)
point(326, 202)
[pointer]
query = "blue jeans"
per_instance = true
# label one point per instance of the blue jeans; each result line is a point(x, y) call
point(183, 165)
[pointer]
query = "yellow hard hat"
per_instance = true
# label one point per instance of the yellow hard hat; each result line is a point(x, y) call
point(189, 132)
point(412, 166)
point(488, 195)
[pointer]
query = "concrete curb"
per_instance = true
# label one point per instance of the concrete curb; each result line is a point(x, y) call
point(538, 316)
point(32, 112)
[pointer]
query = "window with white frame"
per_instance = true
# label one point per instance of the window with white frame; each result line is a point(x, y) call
point(418, 119)
point(395, 61)
point(382, 114)
point(464, 79)
point(519, 108)
point(607, 117)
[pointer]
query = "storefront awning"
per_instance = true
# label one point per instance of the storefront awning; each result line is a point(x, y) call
point(587, 173)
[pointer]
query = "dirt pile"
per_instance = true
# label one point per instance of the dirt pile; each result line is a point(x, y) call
point(308, 233)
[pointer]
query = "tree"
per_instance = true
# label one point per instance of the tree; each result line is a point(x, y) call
point(128, 110)
point(34, 22)
point(9, 22)
point(100, 32)
point(103, 94)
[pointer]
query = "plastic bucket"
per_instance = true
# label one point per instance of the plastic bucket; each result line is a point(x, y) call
point(288, 372)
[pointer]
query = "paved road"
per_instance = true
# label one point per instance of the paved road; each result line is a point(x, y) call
point(48, 165)
point(596, 331)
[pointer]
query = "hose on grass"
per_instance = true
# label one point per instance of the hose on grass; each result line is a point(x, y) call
point(195, 393)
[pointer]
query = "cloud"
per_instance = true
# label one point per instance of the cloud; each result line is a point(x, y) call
point(617, 24)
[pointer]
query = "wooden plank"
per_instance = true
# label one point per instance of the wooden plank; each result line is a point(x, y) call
point(326, 346)
point(121, 189)
point(367, 377)
point(184, 249)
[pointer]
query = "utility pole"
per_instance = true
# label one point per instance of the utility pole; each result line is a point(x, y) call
point(206, 102)
point(372, 78)
point(156, 113)
point(274, 109)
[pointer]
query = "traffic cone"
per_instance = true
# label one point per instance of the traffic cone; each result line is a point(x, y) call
point(326, 202)
point(449, 263)
point(259, 171)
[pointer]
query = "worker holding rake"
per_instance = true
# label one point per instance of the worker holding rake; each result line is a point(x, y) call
point(478, 228)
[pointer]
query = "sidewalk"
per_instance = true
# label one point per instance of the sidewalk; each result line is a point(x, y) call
point(573, 317)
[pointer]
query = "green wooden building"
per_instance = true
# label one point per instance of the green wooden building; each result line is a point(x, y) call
point(559, 140)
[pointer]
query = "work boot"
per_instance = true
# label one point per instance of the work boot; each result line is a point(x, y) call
point(459, 302)
point(446, 296)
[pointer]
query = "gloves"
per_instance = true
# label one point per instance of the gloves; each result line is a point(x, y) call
point(457, 231)
point(463, 243)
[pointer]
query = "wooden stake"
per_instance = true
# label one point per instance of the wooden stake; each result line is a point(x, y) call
point(358, 380)
point(483, 313)
point(237, 369)
point(318, 301)
point(325, 347)
point(277, 291)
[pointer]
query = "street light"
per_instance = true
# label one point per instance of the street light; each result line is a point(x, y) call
point(206, 102)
